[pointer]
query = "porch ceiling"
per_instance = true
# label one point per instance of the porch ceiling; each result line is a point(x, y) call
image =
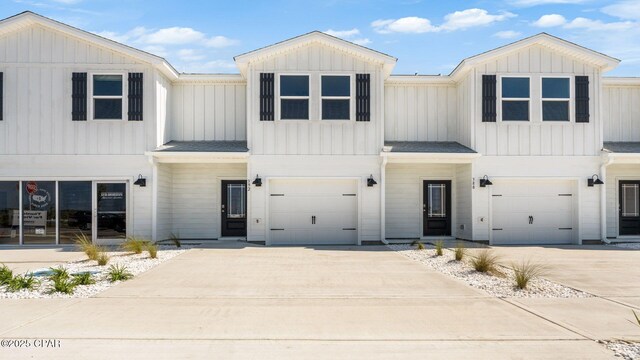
point(428, 152)
point(201, 152)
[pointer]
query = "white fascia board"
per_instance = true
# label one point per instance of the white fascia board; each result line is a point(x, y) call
point(198, 157)
point(623, 158)
point(420, 79)
point(211, 78)
point(442, 158)
point(621, 81)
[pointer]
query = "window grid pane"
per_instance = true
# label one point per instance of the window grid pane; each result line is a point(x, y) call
point(437, 204)
point(555, 88)
point(335, 109)
point(555, 110)
point(515, 110)
point(107, 85)
point(106, 109)
point(294, 85)
point(294, 109)
point(336, 86)
point(515, 88)
point(235, 201)
point(630, 206)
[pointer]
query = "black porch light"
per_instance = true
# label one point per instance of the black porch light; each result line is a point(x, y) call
point(594, 180)
point(371, 181)
point(258, 181)
point(485, 181)
point(142, 182)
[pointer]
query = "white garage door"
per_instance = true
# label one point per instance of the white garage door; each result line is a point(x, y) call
point(313, 212)
point(533, 212)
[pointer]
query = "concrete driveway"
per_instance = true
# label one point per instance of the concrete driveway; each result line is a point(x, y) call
point(235, 301)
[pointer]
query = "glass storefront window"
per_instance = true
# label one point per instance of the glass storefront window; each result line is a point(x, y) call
point(75, 210)
point(39, 212)
point(9, 212)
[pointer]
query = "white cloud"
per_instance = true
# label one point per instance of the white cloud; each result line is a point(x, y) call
point(343, 33)
point(156, 50)
point(68, 2)
point(190, 55)
point(597, 25)
point(173, 36)
point(220, 42)
point(629, 9)
point(507, 34)
point(363, 41)
point(529, 3)
point(458, 20)
point(472, 17)
point(210, 66)
point(412, 24)
point(550, 20)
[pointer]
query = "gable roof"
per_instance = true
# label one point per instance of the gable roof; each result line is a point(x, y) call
point(604, 62)
point(28, 18)
point(387, 61)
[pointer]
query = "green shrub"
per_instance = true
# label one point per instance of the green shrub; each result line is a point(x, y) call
point(152, 249)
point(20, 282)
point(5, 274)
point(525, 272)
point(58, 273)
point(419, 245)
point(486, 261)
point(103, 258)
point(118, 273)
point(86, 246)
point(175, 238)
point(439, 245)
point(134, 245)
point(62, 285)
point(460, 251)
point(83, 278)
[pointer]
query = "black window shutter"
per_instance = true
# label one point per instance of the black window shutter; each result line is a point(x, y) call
point(79, 96)
point(135, 96)
point(1, 95)
point(267, 97)
point(363, 97)
point(582, 99)
point(489, 98)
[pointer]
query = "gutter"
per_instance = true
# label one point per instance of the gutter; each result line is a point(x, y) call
point(603, 201)
point(383, 192)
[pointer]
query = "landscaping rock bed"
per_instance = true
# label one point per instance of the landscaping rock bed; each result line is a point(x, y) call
point(499, 286)
point(633, 246)
point(623, 349)
point(134, 263)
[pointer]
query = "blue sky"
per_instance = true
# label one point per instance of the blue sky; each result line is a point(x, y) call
point(428, 37)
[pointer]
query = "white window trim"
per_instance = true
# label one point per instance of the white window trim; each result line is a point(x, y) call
point(571, 99)
point(351, 97)
point(501, 99)
point(124, 98)
point(280, 97)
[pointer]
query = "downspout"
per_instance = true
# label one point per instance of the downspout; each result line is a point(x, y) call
point(603, 201)
point(383, 182)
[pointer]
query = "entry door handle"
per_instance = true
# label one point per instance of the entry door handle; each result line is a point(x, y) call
point(530, 219)
point(313, 219)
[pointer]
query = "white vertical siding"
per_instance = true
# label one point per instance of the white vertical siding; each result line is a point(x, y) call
point(536, 137)
point(209, 111)
point(164, 201)
point(164, 107)
point(314, 136)
point(621, 112)
point(463, 227)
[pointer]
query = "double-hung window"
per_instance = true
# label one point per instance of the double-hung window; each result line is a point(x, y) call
point(336, 97)
point(555, 99)
point(107, 97)
point(294, 97)
point(516, 96)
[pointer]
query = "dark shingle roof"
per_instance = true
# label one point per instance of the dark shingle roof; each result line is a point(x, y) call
point(428, 147)
point(621, 146)
point(204, 146)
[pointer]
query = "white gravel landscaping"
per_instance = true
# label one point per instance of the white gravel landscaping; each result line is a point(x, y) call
point(633, 246)
point(623, 349)
point(135, 264)
point(494, 285)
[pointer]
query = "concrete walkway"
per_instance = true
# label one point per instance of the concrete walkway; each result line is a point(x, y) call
point(252, 302)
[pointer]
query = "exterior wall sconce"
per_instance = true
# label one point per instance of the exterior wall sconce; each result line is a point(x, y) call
point(484, 181)
point(371, 181)
point(142, 182)
point(258, 181)
point(594, 180)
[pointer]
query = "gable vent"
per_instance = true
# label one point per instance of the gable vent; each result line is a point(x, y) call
point(79, 96)
point(363, 97)
point(135, 96)
point(267, 99)
point(489, 98)
point(582, 99)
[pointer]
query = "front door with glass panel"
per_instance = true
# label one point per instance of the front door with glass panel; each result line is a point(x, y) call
point(111, 210)
point(234, 208)
point(629, 207)
point(436, 208)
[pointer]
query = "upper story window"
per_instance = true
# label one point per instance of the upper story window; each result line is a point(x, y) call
point(336, 97)
point(516, 96)
point(556, 93)
point(294, 97)
point(107, 97)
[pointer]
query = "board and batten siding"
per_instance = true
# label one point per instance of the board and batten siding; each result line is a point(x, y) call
point(164, 108)
point(621, 112)
point(315, 136)
point(537, 138)
point(209, 111)
point(37, 63)
point(164, 201)
point(420, 112)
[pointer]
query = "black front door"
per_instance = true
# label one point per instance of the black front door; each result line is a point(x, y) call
point(234, 208)
point(629, 207)
point(436, 208)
